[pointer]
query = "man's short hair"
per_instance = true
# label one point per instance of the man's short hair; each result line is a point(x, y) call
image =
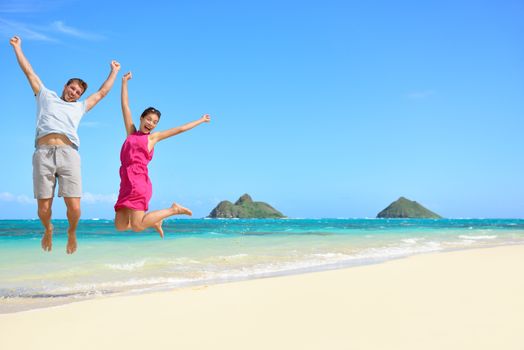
point(79, 81)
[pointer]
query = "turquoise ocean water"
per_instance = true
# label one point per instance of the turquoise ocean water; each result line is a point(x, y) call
point(205, 251)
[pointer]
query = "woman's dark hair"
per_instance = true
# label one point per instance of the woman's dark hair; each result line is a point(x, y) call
point(150, 110)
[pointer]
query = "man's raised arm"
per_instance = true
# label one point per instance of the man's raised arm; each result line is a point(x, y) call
point(34, 80)
point(92, 100)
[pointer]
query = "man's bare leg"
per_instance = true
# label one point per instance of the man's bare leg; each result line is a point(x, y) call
point(73, 216)
point(44, 213)
point(140, 221)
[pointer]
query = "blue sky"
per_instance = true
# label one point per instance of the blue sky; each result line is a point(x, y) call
point(320, 108)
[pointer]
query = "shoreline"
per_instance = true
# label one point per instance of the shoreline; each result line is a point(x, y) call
point(463, 299)
point(64, 300)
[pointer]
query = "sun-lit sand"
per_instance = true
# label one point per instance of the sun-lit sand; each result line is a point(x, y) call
point(458, 300)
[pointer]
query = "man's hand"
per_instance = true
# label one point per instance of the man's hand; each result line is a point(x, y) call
point(34, 80)
point(115, 65)
point(205, 118)
point(92, 100)
point(15, 42)
point(127, 76)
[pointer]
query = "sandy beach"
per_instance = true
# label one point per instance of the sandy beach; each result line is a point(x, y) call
point(469, 299)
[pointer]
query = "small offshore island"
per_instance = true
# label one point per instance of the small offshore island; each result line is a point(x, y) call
point(405, 208)
point(245, 208)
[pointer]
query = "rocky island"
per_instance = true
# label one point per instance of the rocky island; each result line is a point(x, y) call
point(405, 208)
point(245, 208)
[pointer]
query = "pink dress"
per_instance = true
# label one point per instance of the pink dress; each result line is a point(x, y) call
point(135, 187)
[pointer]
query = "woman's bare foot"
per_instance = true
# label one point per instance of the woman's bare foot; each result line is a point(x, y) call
point(180, 209)
point(47, 240)
point(158, 228)
point(71, 242)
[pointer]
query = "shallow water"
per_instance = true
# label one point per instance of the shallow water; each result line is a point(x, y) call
point(204, 251)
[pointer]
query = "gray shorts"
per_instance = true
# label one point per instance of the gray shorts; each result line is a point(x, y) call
point(51, 163)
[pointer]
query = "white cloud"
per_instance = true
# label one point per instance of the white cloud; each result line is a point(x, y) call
point(89, 198)
point(21, 199)
point(93, 198)
point(9, 28)
point(61, 27)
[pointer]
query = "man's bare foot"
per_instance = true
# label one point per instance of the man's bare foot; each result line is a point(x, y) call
point(71, 242)
point(158, 228)
point(181, 210)
point(47, 240)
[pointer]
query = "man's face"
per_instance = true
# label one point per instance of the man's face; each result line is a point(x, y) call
point(72, 92)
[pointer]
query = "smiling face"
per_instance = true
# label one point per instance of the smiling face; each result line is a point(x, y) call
point(72, 92)
point(148, 122)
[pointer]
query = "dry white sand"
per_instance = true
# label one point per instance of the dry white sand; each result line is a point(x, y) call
point(458, 300)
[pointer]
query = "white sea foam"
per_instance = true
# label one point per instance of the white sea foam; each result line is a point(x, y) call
point(228, 258)
point(98, 288)
point(127, 266)
point(468, 242)
point(183, 261)
point(233, 257)
point(411, 240)
point(330, 255)
point(477, 237)
point(390, 252)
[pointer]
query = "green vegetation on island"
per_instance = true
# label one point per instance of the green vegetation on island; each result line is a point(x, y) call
point(404, 208)
point(245, 208)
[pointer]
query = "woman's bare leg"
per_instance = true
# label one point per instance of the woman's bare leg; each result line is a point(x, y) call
point(140, 220)
point(123, 219)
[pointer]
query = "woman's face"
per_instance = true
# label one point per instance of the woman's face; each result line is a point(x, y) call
point(148, 123)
